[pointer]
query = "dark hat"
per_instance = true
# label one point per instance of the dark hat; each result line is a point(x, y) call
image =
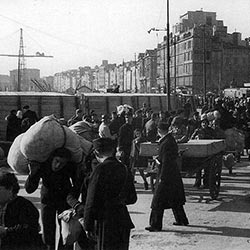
point(163, 126)
point(177, 121)
point(26, 107)
point(103, 144)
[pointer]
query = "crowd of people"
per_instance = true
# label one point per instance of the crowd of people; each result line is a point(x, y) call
point(19, 121)
point(100, 188)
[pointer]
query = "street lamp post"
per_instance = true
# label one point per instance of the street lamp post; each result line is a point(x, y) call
point(204, 62)
point(167, 88)
point(136, 88)
point(168, 61)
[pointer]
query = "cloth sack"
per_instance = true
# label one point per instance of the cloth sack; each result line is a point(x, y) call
point(71, 227)
point(16, 160)
point(46, 135)
point(85, 130)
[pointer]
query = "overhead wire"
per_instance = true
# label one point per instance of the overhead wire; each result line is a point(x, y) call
point(9, 35)
point(31, 37)
point(50, 35)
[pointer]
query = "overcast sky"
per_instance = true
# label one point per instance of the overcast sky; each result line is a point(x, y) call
point(84, 32)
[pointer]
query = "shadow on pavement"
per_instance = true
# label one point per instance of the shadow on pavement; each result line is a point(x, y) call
point(222, 231)
point(239, 204)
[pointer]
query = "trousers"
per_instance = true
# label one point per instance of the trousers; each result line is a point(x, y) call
point(156, 216)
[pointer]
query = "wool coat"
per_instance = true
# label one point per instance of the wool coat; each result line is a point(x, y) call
point(22, 222)
point(110, 189)
point(169, 191)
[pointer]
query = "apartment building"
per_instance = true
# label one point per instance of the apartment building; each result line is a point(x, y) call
point(203, 56)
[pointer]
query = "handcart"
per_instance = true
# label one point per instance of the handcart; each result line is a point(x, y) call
point(196, 156)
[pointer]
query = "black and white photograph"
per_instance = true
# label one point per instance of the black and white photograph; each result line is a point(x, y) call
point(124, 125)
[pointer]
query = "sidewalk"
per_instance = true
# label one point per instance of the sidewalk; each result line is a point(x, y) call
point(222, 224)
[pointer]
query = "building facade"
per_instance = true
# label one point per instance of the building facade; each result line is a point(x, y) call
point(26, 84)
point(203, 56)
point(5, 83)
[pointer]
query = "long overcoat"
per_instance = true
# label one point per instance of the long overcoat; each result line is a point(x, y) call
point(110, 188)
point(169, 191)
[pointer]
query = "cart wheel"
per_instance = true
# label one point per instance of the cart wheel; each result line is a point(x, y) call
point(215, 177)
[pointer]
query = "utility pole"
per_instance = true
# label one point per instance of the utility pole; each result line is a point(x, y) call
point(204, 63)
point(164, 69)
point(168, 61)
point(123, 75)
point(136, 90)
point(20, 67)
point(175, 67)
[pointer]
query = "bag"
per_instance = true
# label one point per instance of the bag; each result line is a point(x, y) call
point(16, 159)
point(42, 138)
point(71, 227)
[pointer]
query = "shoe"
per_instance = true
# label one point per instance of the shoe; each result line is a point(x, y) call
point(145, 185)
point(152, 229)
point(180, 223)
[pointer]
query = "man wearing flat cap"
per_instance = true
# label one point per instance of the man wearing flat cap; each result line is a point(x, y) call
point(110, 189)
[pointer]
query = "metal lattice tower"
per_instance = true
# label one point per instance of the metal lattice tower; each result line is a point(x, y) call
point(21, 62)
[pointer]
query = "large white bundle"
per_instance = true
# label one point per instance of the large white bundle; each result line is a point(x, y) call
point(81, 127)
point(85, 130)
point(124, 108)
point(16, 159)
point(85, 134)
point(45, 136)
point(85, 145)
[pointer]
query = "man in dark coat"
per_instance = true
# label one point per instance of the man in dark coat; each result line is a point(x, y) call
point(115, 123)
point(110, 189)
point(13, 126)
point(151, 128)
point(137, 122)
point(28, 119)
point(169, 192)
point(125, 139)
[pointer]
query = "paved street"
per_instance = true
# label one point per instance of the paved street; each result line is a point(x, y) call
point(222, 224)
